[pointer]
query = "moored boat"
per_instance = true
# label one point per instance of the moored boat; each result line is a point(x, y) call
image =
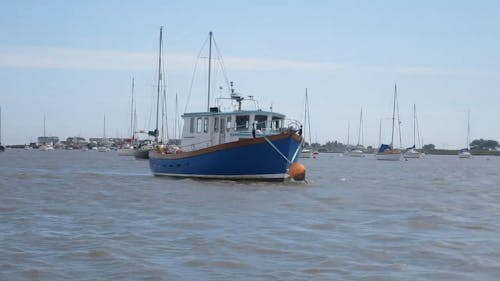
point(223, 145)
point(387, 151)
point(465, 153)
point(235, 144)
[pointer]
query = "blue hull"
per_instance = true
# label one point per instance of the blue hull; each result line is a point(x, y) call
point(244, 159)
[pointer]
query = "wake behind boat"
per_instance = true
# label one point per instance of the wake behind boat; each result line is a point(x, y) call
point(237, 144)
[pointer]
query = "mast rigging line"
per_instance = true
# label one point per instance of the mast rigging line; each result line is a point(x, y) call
point(218, 61)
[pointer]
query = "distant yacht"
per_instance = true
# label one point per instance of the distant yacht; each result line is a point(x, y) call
point(465, 153)
point(357, 151)
point(45, 146)
point(307, 151)
point(127, 149)
point(104, 144)
point(387, 151)
point(412, 152)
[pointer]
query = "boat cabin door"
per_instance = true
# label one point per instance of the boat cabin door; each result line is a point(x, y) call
point(222, 131)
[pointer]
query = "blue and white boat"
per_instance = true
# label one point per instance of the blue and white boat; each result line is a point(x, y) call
point(236, 144)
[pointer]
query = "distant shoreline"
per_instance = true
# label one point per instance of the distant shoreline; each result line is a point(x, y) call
point(437, 152)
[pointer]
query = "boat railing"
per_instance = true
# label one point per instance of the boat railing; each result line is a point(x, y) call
point(287, 125)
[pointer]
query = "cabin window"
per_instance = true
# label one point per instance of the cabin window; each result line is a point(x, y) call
point(205, 125)
point(191, 124)
point(216, 124)
point(198, 125)
point(228, 124)
point(242, 122)
point(276, 123)
point(260, 121)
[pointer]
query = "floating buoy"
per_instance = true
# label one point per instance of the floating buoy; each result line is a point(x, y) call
point(297, 171)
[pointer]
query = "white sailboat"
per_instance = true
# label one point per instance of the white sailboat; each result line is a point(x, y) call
point(45, 146)
point(412, 152)
point(465, 153)
point(357, 151)
point(388, 152)
point(142, 152)
point(347, 146)
point(128, 148)
point(104, 145)
point(306, 152)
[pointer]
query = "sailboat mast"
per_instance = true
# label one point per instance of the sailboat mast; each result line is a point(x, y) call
point(209, 67)
point(468, 129)
point(380, 133)
point(360, 124)
point(132, 133)
point(308, 118)
point(399, 124)
point(44, 125)
point(176, 114)
point(348, 132)
point(393, 116)
point(0, 125)
point(104, 132)
point(414, 123)
point(158, 86)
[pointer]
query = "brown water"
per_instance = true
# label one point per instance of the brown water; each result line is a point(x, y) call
point(74, 215)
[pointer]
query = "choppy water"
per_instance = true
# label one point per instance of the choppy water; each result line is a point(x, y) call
point(73, 215)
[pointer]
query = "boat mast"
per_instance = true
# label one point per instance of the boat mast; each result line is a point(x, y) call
point(393, 116)
point(132, 112)
point(348, 132)
point(158, 86)
point(44, 125)
point(176, 118)
point(399, 124)
point(104, 132)
point(360, 125)
point(307, 118)
point(209, 67)
point(414, 123)
point(380, 133)
point(468, 129)
point(0, 125)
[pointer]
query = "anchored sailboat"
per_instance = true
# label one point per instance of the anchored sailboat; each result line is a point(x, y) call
point(358, 150)
point(142, 152)
point(307, 151)
point(388, 152)
point(412, 152)
point(465, 153)
point(104, 146)
point(127, 149)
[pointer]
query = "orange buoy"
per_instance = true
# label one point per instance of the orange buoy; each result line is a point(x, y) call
point(297, 171)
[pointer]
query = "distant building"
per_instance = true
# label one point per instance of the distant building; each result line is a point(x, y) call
point(74, 142)
point(48, 140)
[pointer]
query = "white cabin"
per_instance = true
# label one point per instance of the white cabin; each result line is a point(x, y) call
point(205, 129)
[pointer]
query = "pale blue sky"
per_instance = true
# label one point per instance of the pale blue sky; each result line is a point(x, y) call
point(72, 61)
